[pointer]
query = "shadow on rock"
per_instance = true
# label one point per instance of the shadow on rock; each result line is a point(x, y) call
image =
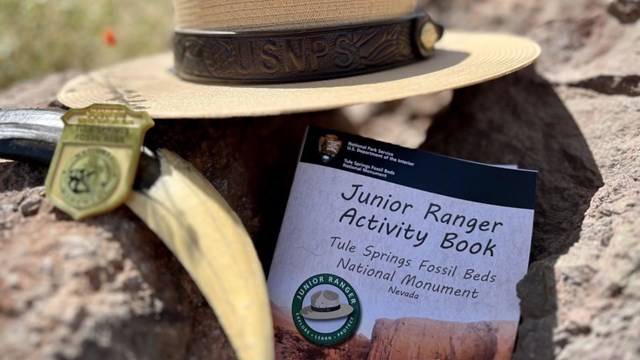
point(17, 175)
point(250, 161)
point(519, 119)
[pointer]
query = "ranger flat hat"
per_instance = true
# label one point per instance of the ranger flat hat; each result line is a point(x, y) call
point(325, 305)
point(269, 57)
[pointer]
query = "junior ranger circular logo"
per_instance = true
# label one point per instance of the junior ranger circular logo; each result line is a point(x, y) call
point(326, 309)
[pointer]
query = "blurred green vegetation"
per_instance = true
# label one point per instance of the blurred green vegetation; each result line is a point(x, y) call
point(43, 36)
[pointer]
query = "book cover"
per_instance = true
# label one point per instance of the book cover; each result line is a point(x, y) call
point(392, 253)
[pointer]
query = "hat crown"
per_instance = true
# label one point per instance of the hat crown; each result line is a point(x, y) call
point(325, 299)
point(251, 15)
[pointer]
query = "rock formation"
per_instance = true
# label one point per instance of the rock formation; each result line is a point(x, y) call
point(574, 117)
point(414, 338)
point(107, 288)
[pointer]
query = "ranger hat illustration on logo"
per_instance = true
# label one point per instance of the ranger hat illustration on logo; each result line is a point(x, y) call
point(325, 305)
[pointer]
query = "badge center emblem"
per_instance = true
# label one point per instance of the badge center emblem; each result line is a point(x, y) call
point(90, 177)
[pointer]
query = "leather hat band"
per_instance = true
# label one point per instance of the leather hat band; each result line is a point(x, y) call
point(302, 55)
point(325, 309)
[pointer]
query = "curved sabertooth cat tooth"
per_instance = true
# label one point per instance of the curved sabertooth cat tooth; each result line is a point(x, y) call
point(208, 238)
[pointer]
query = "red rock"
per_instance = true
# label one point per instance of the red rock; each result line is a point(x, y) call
point(414, 338)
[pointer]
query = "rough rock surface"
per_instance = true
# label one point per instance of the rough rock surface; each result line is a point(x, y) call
point(575, 120)
point(107, 287)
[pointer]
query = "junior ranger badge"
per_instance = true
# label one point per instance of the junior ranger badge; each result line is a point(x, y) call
point(95, 161)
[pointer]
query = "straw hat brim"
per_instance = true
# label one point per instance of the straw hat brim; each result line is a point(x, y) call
point(149, 84)
point(344, 310)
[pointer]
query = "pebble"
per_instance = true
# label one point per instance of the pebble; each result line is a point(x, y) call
point(30, 207)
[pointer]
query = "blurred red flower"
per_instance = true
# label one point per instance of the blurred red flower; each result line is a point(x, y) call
point(109, 37)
